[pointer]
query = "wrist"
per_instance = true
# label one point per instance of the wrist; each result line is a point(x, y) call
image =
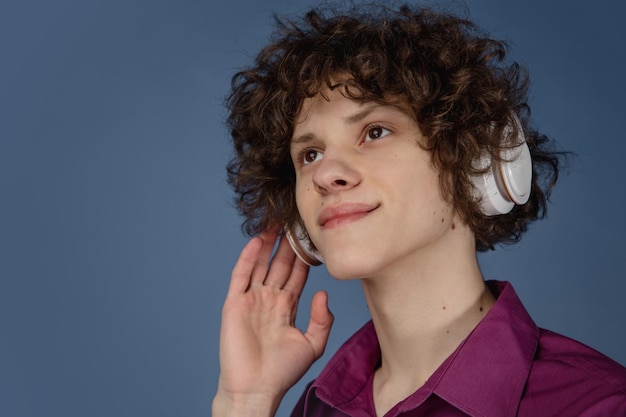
point(244, 405)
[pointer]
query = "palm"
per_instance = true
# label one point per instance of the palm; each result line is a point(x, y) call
point(261, 352)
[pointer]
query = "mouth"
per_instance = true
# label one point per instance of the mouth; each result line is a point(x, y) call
point(345, 213)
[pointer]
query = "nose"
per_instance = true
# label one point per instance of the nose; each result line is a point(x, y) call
point(334, 174)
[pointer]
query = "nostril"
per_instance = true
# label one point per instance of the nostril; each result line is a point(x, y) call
point(340, 182)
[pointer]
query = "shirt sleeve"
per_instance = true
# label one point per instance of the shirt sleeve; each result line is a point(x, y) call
point(615, 405)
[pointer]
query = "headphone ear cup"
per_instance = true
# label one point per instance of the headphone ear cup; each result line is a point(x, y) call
point(492, 201)
point(301, 245)
point(506, 182)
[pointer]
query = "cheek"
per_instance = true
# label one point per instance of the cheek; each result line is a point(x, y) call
point(413, 179)
point(419, 186)
point(303, 198)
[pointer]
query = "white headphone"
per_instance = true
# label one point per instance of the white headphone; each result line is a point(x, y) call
point(302, 246)
point(504, 184)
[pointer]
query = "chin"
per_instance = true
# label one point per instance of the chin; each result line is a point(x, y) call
point(346, 268)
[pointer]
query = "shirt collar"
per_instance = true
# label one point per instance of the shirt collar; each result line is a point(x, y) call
point(485, 376)
point(349, 370)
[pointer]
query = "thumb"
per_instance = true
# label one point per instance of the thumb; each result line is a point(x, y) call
point(320, 323)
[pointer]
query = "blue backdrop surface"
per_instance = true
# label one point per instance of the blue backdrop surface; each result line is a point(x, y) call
point(117, 232)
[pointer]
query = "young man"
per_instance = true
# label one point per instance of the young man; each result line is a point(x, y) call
point(392, 145)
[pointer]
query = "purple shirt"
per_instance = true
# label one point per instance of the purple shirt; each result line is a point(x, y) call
point(506, 367)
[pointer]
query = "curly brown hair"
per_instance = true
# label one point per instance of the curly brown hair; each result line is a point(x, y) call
point(459, 87)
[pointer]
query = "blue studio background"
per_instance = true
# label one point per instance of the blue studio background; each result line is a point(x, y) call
point(117, 232)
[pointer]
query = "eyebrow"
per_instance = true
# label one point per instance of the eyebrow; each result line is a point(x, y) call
point(361, 114)
point(302, 138)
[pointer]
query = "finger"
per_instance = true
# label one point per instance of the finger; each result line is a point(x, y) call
point(240, 277)
point(281, 266)
point(259, 271)
point(298, 277)
point(295, 283)
point(320, 323)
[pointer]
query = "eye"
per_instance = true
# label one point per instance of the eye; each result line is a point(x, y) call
point(308, 156)
point(376, 132)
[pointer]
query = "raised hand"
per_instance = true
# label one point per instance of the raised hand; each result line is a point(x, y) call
point(262, 353)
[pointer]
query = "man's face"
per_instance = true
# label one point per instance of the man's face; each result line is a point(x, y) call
point(367, 192)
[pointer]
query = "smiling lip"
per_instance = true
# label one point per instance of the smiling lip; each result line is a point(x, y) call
point(344, 213)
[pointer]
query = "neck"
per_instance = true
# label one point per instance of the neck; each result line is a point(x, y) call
point(422, 311)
